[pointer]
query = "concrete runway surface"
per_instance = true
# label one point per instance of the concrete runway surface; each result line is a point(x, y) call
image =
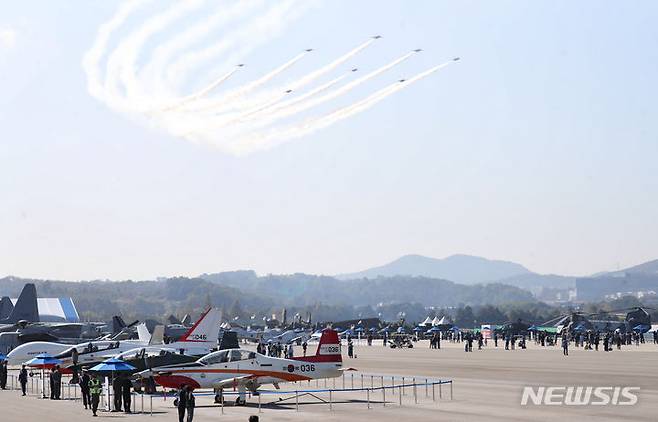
point(488, 386)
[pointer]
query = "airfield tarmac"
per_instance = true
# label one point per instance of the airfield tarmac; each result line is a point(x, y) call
point(487, 386)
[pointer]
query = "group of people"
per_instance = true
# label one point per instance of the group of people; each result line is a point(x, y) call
point(277, 350)
point(435, 341)
point(90, 386)
point(185, 404)
point(91, 389)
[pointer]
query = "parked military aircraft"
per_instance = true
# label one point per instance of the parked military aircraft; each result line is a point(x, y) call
point(248, 370)
point(25, 310)
point(199, 340)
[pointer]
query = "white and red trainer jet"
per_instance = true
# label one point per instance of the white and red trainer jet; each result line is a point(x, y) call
point(248, 370)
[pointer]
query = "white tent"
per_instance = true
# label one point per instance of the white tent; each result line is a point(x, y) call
point(427, 321)
point(436, 321)
point(444, 321)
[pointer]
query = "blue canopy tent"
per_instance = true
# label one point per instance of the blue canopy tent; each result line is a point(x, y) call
point(112, 365)
point(418, 329)
point(401, 330)
point(373, 330)
point(580, 327)
point(2, 357)
point(455, 329)
point(109, 367)
point(43, 361)
point(533, 328)
point(433, 330)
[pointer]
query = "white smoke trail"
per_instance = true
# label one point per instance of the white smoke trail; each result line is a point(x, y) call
point(164, 53)
point(310, 94)
point(331, 66)
point(303, 106)
point(248, 37)
point(91, 59)
point(203, 92)
point(322, 122)
point(251, 86)
point(139, 69)
point(121, 71)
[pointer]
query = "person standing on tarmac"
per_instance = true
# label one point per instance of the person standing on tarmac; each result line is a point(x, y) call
point(51, 384)
point(3, 374)
point(190, 405)
point(126, 385)
point(22, 378)
point(95, 389)
point(182, 403)
point(57, 383)
point(565, 344)
point(116, 389)
point(84, 389)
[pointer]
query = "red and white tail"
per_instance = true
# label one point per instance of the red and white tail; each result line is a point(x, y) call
point(206, 329)
point(328, 349)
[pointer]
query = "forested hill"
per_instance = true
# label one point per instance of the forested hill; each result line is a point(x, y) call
point(244, 293)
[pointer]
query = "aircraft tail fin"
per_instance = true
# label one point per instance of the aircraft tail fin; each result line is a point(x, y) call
point(228, 340)
point(158, 335)
point(26, 308)
point(328, 349)
point(5, 307)
point(143, 333)
point(206, 329)
point(173, 320)
point(117, 324)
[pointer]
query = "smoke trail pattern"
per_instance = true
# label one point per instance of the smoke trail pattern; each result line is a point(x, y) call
point(145, 53)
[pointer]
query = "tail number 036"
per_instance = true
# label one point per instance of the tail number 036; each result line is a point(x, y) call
point(307, 368)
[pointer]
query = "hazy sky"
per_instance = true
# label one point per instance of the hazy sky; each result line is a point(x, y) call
point(539, 147)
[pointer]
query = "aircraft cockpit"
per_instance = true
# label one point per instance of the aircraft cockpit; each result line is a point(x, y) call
point(224, 356)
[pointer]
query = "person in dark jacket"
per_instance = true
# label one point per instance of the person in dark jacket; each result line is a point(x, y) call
point(126, 385)
point(3, 374)
point(57, 382)
point(22, 378)
point(116, 389)
point(182, 403)
point(190, 405)
point(51, 384)
point(84, 390)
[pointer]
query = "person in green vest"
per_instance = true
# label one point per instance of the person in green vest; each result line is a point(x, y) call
point(95, 389)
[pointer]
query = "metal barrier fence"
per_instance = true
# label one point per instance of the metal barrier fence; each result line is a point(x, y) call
point(375, 393)
point(40, 387)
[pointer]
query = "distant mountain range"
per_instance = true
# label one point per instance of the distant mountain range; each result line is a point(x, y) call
point(647, 268)
point(466, 269)
point(463, 269)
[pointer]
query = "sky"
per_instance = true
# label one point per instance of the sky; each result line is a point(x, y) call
point(539, 146)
